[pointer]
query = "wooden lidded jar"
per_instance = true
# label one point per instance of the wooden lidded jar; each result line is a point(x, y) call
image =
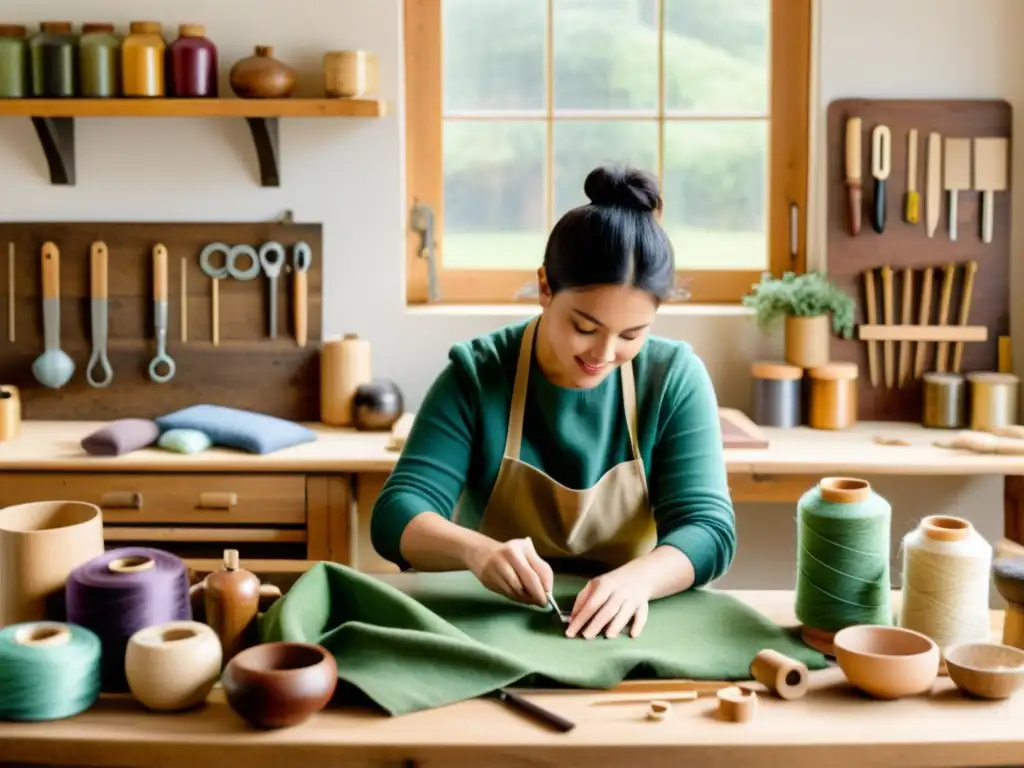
point(231, 601)
point(833, 396)
point(807, 340)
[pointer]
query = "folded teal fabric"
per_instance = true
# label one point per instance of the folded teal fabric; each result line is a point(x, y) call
point(441, 638)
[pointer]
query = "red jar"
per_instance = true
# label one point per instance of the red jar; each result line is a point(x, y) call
point(192, 59)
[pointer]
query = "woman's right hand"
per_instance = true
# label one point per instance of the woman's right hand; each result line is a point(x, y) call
point(513, 569)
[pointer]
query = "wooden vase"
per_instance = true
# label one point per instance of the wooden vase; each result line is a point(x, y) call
point(261, 76)
point(807, 341)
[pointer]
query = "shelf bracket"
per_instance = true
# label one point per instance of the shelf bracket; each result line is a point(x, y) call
point(57, 137)
point(268, 149)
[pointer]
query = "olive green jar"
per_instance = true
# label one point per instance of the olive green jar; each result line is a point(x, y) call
point(99, 61)
point(54, 57)
point(14, 64)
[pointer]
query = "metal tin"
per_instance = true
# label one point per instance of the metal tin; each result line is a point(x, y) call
point(944, 401)
point(993, 400)
point(778, 397)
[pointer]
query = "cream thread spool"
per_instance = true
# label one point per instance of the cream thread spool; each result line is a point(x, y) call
point(833, 396)
point(345, 364)
point(946, 569)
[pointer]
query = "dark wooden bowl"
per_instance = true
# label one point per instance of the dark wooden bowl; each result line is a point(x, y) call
point(278, 685)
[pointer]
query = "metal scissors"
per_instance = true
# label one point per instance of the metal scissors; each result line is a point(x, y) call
point(232, 254)
point(272, 261)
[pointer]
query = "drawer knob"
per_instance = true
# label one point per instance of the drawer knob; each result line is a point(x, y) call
point(218, 500)
point(121, 500)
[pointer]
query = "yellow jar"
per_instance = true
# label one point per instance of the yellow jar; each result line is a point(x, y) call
point(142, 60)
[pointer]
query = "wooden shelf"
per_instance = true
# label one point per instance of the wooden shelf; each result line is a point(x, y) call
point(54, 121)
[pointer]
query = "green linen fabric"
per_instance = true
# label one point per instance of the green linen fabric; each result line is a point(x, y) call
point(425, 640)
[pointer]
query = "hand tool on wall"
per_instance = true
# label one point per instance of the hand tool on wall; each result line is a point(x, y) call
point(957, 176)
point(10, 292)
point(965, 310)
point(912, 205)
point(53, 368)
point(871, 310)
point(990, 176)
point(854, 194)
point(948, 275)
point(229, 269)
point(933, 184)
point(184, 300)
point(272, 260)
point(160, 317)
point(98, 303)
point(881, 165)
point(924, 318)
point(906, 318)
point(887, 318)
point(302, 259)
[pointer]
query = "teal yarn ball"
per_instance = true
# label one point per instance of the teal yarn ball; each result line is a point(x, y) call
point(843, 544)
point(48, 671)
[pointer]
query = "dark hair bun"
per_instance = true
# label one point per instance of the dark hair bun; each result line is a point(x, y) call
point(617, 186)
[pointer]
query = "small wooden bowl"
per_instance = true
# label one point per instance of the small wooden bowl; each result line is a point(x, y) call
point(278, 685)
point(986, 670)
point(887, 662)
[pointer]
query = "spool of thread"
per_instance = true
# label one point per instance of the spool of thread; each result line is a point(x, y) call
point(842, 559)
point(783, 676)
point(946, 570)
point(993, 400)
point(173, 667)
point(10, 413)
point(944, 401)
point(833, 400)
point(48, 671)
point(777, 394)
point(40, 544)
point(122, 591)
point(345, 364)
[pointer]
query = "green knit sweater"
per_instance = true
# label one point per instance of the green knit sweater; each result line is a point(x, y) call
point(575, 436)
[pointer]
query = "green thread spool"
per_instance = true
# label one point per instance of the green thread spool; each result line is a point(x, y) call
point(48, 671)
point(843, 534)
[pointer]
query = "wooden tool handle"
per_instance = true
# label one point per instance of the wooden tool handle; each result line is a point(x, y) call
point(98, 270)
point(301, 308)
point(923, 319)
point(933, 191)
point(906, 318)
point(948, 274)
point(965, 311)
point(871, 311)
point(51, 271)
point(854, 202)
point(988, 201)
point(912, 160)
point(159, 272)
point(854, 127)
point(887, 318)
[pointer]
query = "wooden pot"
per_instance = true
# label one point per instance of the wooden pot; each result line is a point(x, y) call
point(807, 341)
point(261, 76)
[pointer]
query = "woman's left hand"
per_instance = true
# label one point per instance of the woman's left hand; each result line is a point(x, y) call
point(608, 603)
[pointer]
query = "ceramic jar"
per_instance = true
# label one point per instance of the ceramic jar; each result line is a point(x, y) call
point(192, 60)
point(231, 603)
point(142, 60)
point(173, 666)
point(807, 341)
point(54, 60)
point(279, 685)
point(350, 74)
point(14, 62)
point(261, 76)
point(99, 61)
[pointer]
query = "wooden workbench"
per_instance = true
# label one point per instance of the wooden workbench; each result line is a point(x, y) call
point(834, 726)
point(316, 498)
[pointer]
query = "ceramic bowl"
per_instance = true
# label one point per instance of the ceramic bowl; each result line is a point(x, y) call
point(986, 670)
point(278, 685)
point(887, 662)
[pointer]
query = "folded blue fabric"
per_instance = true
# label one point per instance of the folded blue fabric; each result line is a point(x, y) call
point(235, 428)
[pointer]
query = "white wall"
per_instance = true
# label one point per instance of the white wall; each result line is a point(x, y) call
point(349, 176)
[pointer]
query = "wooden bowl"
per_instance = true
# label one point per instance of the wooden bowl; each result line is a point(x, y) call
point(887, 662)
point(986, 670)
point(278, 685)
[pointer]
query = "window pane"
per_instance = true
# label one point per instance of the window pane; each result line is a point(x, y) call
point(493, 194)
point(715, 193)
point(716, 55)
point(582, 145)
point(605, 54)
point(493, 54)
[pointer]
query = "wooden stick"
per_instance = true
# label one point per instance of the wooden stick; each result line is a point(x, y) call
point(887, 315)
point(670, 686)
point(942, 352)
point(872, 314)
point(923, 319)
point(965, 309)
point(184, 300)
point(907, 318)
point(10, 292)
point(923, 333)
point(215, 311)
point(643, 698)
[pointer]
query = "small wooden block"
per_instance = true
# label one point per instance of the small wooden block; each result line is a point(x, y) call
point(658, 710)
point(737, 705)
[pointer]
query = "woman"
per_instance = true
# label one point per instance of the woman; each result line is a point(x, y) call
point(574, 438)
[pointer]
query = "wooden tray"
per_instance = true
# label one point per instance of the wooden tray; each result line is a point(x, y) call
point(904, 245)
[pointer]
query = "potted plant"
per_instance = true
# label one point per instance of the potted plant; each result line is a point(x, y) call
point(810, 304)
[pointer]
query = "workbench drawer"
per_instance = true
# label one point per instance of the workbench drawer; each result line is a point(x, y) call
point(184, 499)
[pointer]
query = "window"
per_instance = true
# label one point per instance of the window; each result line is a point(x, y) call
point(509, 103)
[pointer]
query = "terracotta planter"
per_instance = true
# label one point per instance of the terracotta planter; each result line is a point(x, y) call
point(807, 341)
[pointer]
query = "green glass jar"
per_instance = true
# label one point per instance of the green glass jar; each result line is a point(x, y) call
point(14, 66)
point(54, 61)
point(99, 61)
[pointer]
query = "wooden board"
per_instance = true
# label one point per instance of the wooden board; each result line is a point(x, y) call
point(246, 370)
point(903, 245)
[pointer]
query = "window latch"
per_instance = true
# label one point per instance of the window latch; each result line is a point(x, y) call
point(421, 221)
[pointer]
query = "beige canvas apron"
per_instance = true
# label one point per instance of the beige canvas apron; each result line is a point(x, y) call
point(608, 524)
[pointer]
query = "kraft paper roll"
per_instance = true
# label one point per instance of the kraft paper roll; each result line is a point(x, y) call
point(10, 413)
point(40, 544)
point(345, 364)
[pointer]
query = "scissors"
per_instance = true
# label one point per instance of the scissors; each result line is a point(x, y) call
point(272, 261)
point(232, 253)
